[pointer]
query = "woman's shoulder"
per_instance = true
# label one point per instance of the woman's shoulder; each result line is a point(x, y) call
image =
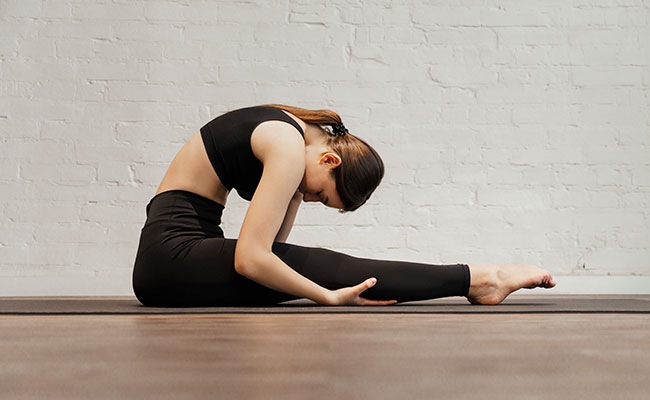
point(276, 138)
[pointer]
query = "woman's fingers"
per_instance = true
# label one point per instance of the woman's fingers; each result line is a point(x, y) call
point(366, 302)
point(367, 284)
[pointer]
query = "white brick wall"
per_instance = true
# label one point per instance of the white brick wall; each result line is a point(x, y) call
point(512, 131)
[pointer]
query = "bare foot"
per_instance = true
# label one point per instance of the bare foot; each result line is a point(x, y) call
point(492, 283)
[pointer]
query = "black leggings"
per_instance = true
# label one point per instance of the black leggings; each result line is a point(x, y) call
point(183, 260)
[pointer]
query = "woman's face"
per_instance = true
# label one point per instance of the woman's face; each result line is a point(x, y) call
point(318, 184)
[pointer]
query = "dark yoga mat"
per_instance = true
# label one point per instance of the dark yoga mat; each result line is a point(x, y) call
point(514, 304)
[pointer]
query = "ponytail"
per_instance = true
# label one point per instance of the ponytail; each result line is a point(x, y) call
point(317, 117)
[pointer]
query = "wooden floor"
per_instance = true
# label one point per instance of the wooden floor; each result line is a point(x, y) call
point(318, 356)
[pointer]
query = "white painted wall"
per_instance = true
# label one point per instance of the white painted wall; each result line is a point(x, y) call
point(512, 131)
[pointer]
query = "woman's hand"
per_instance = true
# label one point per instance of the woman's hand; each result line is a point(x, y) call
point(349, 296)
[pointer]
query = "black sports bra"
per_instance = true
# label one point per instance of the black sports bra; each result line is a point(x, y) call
point(227, 140)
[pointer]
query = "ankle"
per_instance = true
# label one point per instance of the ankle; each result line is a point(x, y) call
point(482, 276)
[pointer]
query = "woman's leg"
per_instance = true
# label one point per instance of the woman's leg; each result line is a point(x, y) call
point(396, 280)
point(201, 272)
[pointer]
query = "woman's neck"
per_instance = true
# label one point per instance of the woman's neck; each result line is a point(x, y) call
point(314, 135)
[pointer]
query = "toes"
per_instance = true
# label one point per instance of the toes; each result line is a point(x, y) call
point(543, 282)
point(548, 281)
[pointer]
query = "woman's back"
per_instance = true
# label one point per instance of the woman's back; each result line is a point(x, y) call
point(227, 145)
point(191, 170)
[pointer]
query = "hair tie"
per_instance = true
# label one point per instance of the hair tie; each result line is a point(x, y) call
point(339, 129)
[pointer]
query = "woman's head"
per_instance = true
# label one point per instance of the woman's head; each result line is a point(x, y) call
point(355, 167)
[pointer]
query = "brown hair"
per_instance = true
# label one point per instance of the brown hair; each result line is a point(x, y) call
point(361, 168)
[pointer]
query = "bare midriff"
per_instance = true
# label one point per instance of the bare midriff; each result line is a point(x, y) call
point(191, 170)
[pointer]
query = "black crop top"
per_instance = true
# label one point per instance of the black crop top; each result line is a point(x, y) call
point(227, 140)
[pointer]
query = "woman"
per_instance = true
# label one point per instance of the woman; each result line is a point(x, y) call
point(276, 157)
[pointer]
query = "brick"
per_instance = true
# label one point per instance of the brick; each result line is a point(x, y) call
point(77, 175)
point(430, 240)
point(394, 14)
point(115, 172)
point(508, 36)
point(388, 216)
point(18, 129)
point(606, 76)
point(260, 73)
point(46, 257)
point(573, 136)
point(269, 33)
point(112, 71)
point(579, 17)
point(615, 155)
point(635, 240)
point(70, 233)
point(15, 29)
point(576, 175)
point(40, 71)
point(165, 11)
point(636, 200)
point(58, 90)
point(312, 14)
point(351, 15)
point(16, 234)
point(602, 36)
point(500, 95)
point(600, 260)
point(35, 172)
point(434, 16)
point(608, 175)
point(111, 11)
point(603, 199)
point(641, 175)
point(9, 46)
point(504, 174)
point(20, 8)
point(404, 36)
point(150, 92)
point(461, 36)
point(149, 173)
point(89, 153)
point(493, 195)
point(539, 175)
point(598, 219)
point(506, 16)
point(56, 9)
point(234, 12)
point(183, 51)
point(437, 195)
point(543, 156)
point(9, 170)
point(74, 48)
point(37, 48)
point(147, 32)
point(127, 111)
point(42, 212)
point(78, 30)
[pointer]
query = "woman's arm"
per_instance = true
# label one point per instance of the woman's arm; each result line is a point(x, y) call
point(289, 218)
point(282, 152)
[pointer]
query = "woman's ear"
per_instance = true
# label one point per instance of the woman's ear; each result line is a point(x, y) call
point(331, 158)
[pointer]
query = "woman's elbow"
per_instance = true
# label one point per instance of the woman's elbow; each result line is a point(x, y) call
point(245, 262)
point(241, 264)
